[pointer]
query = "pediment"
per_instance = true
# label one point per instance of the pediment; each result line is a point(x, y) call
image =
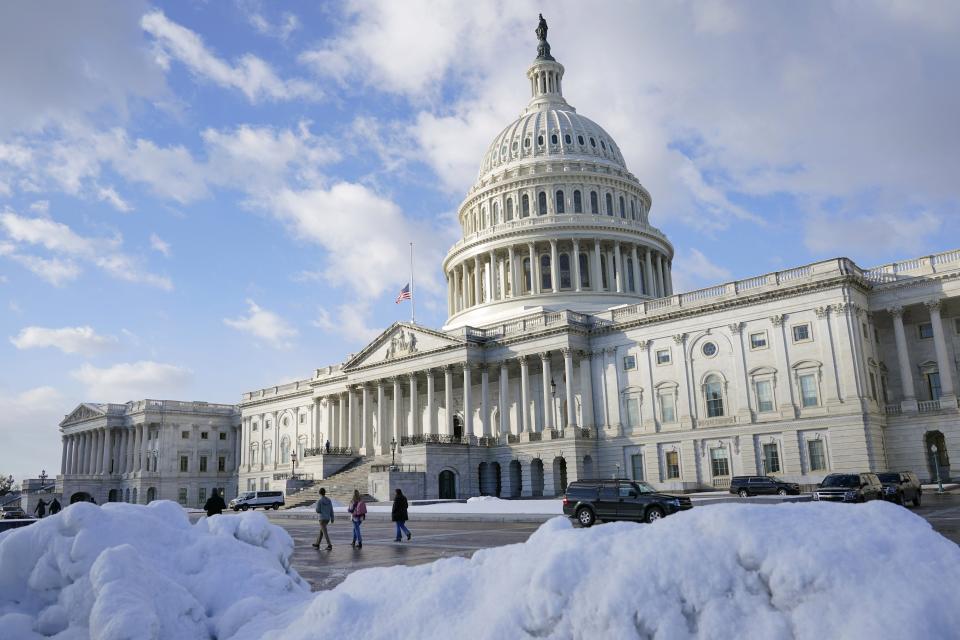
point(401, 340)
point(85, 411)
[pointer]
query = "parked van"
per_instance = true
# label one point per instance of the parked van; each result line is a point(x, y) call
point(254, 499)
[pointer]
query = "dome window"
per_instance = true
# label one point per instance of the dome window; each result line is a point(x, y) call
point(593, 143)
point(540, 140)
point(594, 202)
point(554, 139)
point(577, 202)
point(584, 271)
point(546, 281)
point(623, 208)
point(542, 203)
point(580, 140)
point(563, 261)
point(633, 209)
point(559, 202)
point(515, 145)
point(603, 145)
point(509, 209)
point(525, 206)
point(609, 205)
point(526, 143)
point(566, 138)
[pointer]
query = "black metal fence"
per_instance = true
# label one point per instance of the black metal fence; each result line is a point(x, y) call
point(431, 438)
point(403, 468)
point(586, 432)
point(487, 441)
point(323, 451)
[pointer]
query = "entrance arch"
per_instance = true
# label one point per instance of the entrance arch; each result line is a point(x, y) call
point(536, 477)
point(498, 479)
point(935, 438)
point(516, 479)
point(559, 476)
point(151, 494)
point(81, 496)
point(112, 495)
point(448, 485)
point(458, 426)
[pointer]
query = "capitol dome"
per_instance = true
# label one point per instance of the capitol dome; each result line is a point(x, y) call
point(555, 220)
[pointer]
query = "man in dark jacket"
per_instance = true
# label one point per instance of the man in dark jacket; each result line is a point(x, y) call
point(215, 504)
point(54, 506)
point(399, 514)
point(41, 509)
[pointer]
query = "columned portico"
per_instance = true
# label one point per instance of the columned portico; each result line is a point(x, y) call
point(468, 400)
point(944, 363)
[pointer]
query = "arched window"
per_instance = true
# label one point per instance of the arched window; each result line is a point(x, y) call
point(713, 393)
point(301, 445)
point(496, 213)
point(542, 203)
point(540, 140)
point(577, 202)
point(584, 270)
point(524, 206)
point(631, 284)
point(609, 205)
point(559, 203)
point(603, 272)
point(594, 203)
point(285, 450)
point(526, 275)
point(564, 265)
point(566, 138)
point(509, 208)
point(254, 453)
point(268, 452)
point(623, 208)
point(554, 139)
point(546, 282)
point(484, 220)
point(580, 140)
point(633, 209)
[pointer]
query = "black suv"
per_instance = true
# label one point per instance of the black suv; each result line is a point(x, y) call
point(745, 486)
point(902, 487)
point(589, 501)
point(849, 487)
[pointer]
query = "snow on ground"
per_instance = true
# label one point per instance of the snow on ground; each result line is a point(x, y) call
point(762, 571)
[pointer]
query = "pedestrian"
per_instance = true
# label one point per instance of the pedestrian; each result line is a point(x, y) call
point(359, 510)
point(54, 506)
point(41, 508)
point(93, 500)
point(215, 504)
point(325, 513)
point(399, 514)
point(327, 446)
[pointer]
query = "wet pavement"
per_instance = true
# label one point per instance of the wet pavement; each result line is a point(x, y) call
point(943, 512)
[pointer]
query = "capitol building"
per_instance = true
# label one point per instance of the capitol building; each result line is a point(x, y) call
point(567, 354)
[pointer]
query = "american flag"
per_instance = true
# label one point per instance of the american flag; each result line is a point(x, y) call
point(404, 294)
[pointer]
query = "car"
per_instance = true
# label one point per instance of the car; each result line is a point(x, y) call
point(254, 499)
point(590, 501)
point(901, 487)
point(745, 486)
point(13, 513)
point(849, 487)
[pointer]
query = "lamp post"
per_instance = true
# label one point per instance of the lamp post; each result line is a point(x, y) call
point(293, 461)
point(936, 463)
point(43, 477)
point(393, 452)
point(553, 403)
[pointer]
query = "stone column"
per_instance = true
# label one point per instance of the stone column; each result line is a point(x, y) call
point(83, 464)
point(596, 280)
point(618, 265)
point(612, 388)
point(365, 428)
point(648, 272)
point(586, 392)
point(137, 435)
point(944, 363)
point(512, 272)
point(485, 400)
point(146, 448)
point(667, 277)
point(105, 452)
point(77, 454)
point(576, 265)
point(504, 401)
point(382, 428)
point(568, 388)
point(523, 414)
point(467, 400)
point(414, 408)
point(63, 455)
point(124, 444)
point(430, 426)
point(477, 278)
point(554, 270)
point(397, 409)
point(660, 282)
point(548, 407)
point(448, 399)
point(635, 269)
point(462, 293)
point(342, 415)
point(351, 421)
point(87, 451)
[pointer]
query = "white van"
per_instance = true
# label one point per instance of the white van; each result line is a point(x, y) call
point(254, 499)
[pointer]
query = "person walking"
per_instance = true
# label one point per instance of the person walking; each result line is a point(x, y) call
point(41, 509)
point(399, 514)
point(54, 506)
point(325, 512)
point(327, 446)
point(358, 509)
point(215, 504)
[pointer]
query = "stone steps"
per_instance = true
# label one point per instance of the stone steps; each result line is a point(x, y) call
point(340, 486)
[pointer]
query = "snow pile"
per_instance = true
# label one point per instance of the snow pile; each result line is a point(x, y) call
point(129, 571)
point(753, 571)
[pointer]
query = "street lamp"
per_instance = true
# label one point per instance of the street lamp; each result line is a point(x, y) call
point(393, 452)
point(43, 477)
point(936, 463)
point(293, 461)
point(553, 404)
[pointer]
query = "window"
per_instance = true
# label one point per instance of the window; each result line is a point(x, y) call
point(524, 206)
point(623, 208)
point(577, 202)
point(668, 407)
point(540, 140)
point(526, 143)
point(758, 340)
point(771, 458)
point(817, 455)
point(925, 329)
point(554, 139)
point(201, 495)
point(873, 386)
point(584, 270)
point(546, 280)
point(203, 464)
point(184, 435)
point(542, 203)
point(631, 284)
point(580, 139)
point(526, 275)
point(594, 203)
point(633, 210)
point(633, 409)
point(221, 464)
point(509, 208)
point(609, 200)
point(629, 363)
point(559, 202)
point(223, 436)
point(566, 281)
point(303, 418)
point(801, 333)
point(603, 144)
point(254, 426)
point(866, 332)
point(673, 465)
point(764, 396)
point(808, 390)
point(709, 349)
point(636, 466)
point(285, 451)
point(713, 392)
point(182, 496)
point(603, 272)
point(933, 385)
point(184, 463)
point(663, 356)
point(719, 462)
point(204, 435)
point(593, 142)
point(566, 138)
point(268, 452)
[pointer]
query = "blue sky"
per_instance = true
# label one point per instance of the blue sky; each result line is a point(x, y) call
point(198, 199)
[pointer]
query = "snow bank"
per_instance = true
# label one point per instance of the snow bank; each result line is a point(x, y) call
point(130, 571)
point(753, 571)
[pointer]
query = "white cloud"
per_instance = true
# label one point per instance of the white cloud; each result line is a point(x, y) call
point(80, 340)
point(282, 29)
point(159, 245)
point(68, 247)
point(131, 381)
point(693, 269)
point(110, 196)
point(869, 236)
point(349, 321)
point(40, 207)
point(264, 325)
point(28, 430)
point(250, 75)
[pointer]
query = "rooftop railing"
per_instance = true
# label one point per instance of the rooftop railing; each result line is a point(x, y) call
point(915, 267)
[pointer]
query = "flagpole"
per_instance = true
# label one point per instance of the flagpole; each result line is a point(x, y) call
point(413, 301)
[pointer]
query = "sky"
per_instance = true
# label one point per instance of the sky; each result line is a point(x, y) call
point(199, 199)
